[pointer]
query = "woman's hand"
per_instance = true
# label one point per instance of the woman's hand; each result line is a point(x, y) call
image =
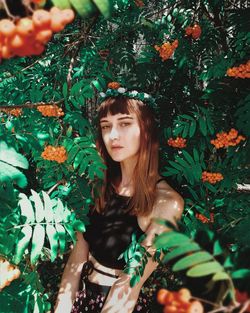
point(122, 298)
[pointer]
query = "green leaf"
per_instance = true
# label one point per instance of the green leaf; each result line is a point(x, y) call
point(191, 260)
point(242, 273)
point(9, 172)
point(61, 4)
point(26, 208)
point(192, 129)
point(188, 157)
point(79, 226)
point(84, 8)
point(48, 207)
point(62, 237)
point(203, 126)
point(71, 232)
point(104, 6)
point(53, 241)
point(39, 210)
point(22, 244)
point(176, 252)
point(204, 269)
point(217, 248)
point(171, 239)
point(220, 276)
point(79, 158)
point(37, 243)
point(10, 156)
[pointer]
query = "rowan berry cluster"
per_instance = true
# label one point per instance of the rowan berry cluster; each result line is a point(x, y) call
point(29, 35)
point(57, 154)
point(194, 31)
point(139, 3)
point(242, 71)
point(8, 273)
point(50, 110)
point(212, 178)
point(204, 219)
point(114, 85)
point(15, 112)
point(166, 49)
point(178, 142)
point(178, 301)
point(227, 139)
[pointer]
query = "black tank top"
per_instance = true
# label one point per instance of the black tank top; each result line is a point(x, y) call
point(109, 233)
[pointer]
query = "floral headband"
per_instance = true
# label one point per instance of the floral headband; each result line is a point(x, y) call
point(115, 90)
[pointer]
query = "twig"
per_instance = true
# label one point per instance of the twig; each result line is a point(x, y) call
point(6, 8)
point(60, 182)
point(245, 306)
point(30, 105)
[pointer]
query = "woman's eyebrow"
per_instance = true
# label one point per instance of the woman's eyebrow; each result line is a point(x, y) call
point(119, 119)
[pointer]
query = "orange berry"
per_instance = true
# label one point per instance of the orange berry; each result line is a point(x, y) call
point(7, 27)
point(161, 296)
point(44, 36)
point(114, 85)
point(189, 30)
point(25, 27)
point(68, 16)
point(184, 295)
point(57, 24)
point(195, 307)
point(17, 41)
point(171, 309)
point(41, 18)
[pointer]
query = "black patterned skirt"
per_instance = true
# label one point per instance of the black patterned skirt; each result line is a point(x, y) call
point(91, 297)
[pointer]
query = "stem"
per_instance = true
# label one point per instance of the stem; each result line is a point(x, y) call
point(206, 301)
point(60, 182)
point(30, 105)
point(6, 8)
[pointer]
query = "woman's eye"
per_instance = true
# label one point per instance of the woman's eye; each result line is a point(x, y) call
point(105, 127)
point(125, 124)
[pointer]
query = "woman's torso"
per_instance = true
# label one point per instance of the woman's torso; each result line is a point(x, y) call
point(109, 234)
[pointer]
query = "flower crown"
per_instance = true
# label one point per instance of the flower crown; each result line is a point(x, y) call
point(115, 90)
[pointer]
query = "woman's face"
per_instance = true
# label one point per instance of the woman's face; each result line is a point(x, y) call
point(121, 136)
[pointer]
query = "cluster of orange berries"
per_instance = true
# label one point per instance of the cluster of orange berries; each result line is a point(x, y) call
point(194, 31)
point(204, 219)
point(227, 139)
point(29, 35)
point(50, 110)
point(57, 154)
point(242, 71)
point(178, 142)
point(8, 273)
point(166, 49)
point(114, 85)
point(15, 112)
point(139, 3)
point(212, 178)
point(178, 301)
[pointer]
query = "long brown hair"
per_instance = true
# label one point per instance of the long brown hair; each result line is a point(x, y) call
point(146, 169)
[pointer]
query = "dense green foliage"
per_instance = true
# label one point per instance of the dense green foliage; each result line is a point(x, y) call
point(43, 202)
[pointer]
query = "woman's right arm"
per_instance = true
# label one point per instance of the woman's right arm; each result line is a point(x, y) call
point(71, 275)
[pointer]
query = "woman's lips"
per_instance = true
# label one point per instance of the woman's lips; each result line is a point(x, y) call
point(116, 147)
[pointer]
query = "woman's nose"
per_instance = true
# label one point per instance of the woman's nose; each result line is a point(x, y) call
point(113, 134)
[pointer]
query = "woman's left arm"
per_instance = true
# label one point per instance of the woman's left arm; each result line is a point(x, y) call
point(122, 298)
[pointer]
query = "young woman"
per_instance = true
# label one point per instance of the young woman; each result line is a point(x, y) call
point(132, 196)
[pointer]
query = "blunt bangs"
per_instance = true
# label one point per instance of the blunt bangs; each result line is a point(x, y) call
point(118, 105)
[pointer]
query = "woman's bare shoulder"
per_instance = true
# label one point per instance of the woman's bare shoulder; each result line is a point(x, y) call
point(169, 203)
